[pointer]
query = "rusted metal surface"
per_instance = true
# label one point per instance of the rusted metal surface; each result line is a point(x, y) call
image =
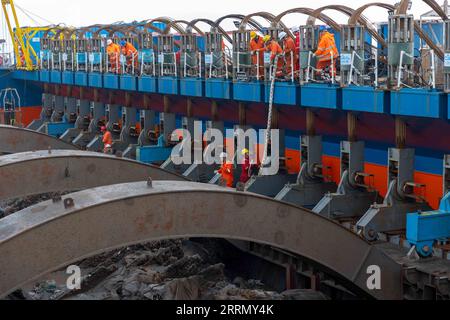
point(309, 12)
point(32, 173)
point(14, 140)
point(402, 8)
point(50, 235)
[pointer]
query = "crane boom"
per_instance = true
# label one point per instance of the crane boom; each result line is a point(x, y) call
point(21, 49)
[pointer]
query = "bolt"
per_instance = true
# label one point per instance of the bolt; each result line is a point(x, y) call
point(426, 249)
point(69, 203)
point(49, 150)
point(149, 183)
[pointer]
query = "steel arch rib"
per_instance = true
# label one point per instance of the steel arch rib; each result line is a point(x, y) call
point(32, 173)
point(50, 235)
point(14, 140)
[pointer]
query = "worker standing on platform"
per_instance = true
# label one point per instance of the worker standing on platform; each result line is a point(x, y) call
point(107, 140)
point(257, 51)
point(246, 167)
point(113, 51)
point(275, 49)
point(131, 55)
point(327, 53)
point(290, 55)
point(226, 171)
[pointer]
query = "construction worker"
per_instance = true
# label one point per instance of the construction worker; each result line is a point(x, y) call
point(107, 140)
point(290, 54)
point(113, 51)
point(275, 49)
point(246, 167)
point(327, 52)
point(131, 54)
point(226, 171)
point(257, 51)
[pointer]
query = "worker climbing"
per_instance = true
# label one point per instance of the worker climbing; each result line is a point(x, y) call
point(131, 55)
point(113, 51)
point(326, 54)
point(247, 167)
point(226, 171)
point(275, 50)
point(107, 140)
point(257, 50)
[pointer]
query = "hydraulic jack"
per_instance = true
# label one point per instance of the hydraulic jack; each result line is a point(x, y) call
point(400, 199)
point(98, 120)
point(353, 197)
point(46, 113)
point(81, 123)
point(62, 123)
point(311, 183)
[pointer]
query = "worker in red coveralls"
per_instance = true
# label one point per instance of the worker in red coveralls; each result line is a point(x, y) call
point(226, 171)
point(246, 167)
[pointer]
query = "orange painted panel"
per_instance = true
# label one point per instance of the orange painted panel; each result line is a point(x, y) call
point(380, 179)
point(433, 190)
point(293, 161)
point(332, 168)
point(29, 114)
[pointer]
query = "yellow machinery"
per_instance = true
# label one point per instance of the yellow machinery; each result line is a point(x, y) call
point(21, 38)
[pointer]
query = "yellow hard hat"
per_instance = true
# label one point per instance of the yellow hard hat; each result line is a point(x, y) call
point(245, 151)
point(253, 35)
point(267, 38)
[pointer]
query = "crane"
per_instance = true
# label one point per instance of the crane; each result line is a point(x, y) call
point(21, 48)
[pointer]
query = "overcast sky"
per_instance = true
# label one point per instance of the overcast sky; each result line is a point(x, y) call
point(88, 12)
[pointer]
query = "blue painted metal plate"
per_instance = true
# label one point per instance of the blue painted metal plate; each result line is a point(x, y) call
point(248, 91)
point(192, 87)
point(365, 99)
point(153, 154)
point(128, 83)
point(26, 75)
point(417, 103)
point(81, 79)
point(218, 88)
point(168, 85)
point(96, 80)
point(111, 81)
point(68, 77)
point(55, 76)
point(286, 93)
point(58, 129)
point(44, 76)
point(448, 107)
point(148, 84)
point(321, 96)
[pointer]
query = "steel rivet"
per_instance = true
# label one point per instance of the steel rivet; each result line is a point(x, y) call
point(69, 203)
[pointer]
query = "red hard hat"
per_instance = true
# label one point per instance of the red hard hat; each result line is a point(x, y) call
point(103, 128)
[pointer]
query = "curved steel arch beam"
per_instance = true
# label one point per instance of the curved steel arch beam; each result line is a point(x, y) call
point(212, 24)
point(269, 17)
point(32, 173)
point(49, 236)
point(402, 8)
point(167, 20)
point(170, 25)
point(15, 140)
point(349, 12)
point(255, 24)
point(354, 18)
point(309, 12)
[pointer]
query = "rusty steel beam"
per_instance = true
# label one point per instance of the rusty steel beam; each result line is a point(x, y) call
point(32, 173)
point(46, 237)
point(14, 140)
point(402, 8)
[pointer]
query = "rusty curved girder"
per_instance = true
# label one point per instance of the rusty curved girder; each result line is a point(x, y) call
point(63, 171)
point(170, 25)
point(354, 18)
point(307, 11)
point(349, 12)
point(269, 17)
point(402, 8)
point(167, 20)
point(51, 235)
point(213, 26)
point(255, 24)
point(15, 140)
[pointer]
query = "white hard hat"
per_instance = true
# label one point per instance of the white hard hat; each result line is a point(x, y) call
point(108, 146)
point(295, 29)
point(223, 155)
point(109, 41)
point(282, 35)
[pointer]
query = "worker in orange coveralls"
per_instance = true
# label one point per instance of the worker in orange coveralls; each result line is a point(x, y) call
point(275, 49)
point(257, 51)
point(131, 54)
point(290, 53)
point(113, 51)
point(327, 52)
point(107, 140)
point(226, 171)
